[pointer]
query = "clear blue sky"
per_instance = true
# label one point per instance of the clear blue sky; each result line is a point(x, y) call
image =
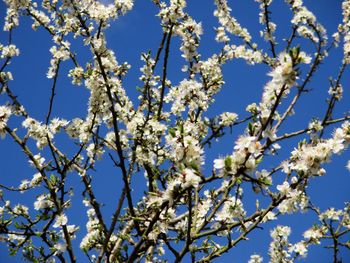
point(139, 31)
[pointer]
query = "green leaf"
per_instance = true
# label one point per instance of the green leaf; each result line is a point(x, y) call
point(89, 72)
point(194, 166)
point(251, 128)
point(228, 163)
point(259, 160)
point(172, 132)
point(266, 181)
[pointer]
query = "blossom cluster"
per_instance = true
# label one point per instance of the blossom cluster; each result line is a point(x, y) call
point(306, 22)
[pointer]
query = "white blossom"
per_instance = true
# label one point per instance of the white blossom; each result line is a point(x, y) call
point(228, 118)
point(190, 178)
point(300, 248)
point(331, 214)
point(43, 202)
point(255, 259)
point(9, 51)
point(61, 220)
point(5, 113)
point(60, 248)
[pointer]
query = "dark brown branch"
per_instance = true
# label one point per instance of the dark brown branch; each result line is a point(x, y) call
point(165, 68)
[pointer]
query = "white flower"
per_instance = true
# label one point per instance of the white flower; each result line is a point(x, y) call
point(331, 214)
point(188, 93)
point(283, 188)
point(346, 22)
point(219, 164)
point(9, 51)
point(76, 74)
point(300, 248)
point(60, 248)
point(249, 143)
point(230, 24)
point(348, 165)
point(72, 229)
point(255, 259)
point(56, 124)
point(281, 231)
point(269, 133)
point(61, 220)
point(313, 234)
point(269, 217)
point(60, 54)
point(336, 92)
point(304, 57)
point(277, 249)
point(190, 178)
point(24, 185)
point(250, 164)
point(94, 151)
point(315, 125)
point(36, 180)
point(228, 118)
point(38, 161)
point(221, 35)
point(284, 73)
point(252, 108)
point(21, 210)
point(264, 176)
point(37, 131)
point(14, 237)
point(5, 113)
point(232, 209)
point(42, 202)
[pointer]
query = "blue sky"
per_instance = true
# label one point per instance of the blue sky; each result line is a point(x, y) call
point(139, 31)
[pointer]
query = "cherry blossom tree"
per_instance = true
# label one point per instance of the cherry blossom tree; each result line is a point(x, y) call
point(191, 208)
